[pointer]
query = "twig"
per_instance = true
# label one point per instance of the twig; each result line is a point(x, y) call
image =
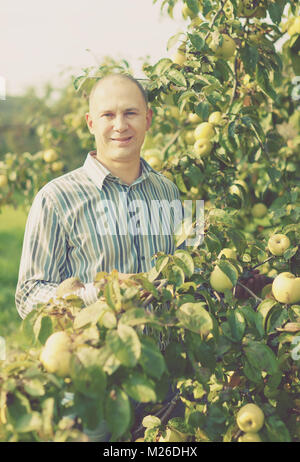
point(262, 263)
point(169, 144)
point(249, 291)
point(163, 283)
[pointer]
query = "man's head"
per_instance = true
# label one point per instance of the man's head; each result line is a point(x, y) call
point(118, 117)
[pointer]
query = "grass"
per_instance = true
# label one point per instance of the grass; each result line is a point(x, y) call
point(12, 225)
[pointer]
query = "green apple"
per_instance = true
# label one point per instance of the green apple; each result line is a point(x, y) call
point(50, 155)
point(57, 166)
point(56, 354)
point(250, 438)
point(179, 58)
point(3, 181)
point(259, 210)
point(286, 288)
point(250, 418)
point(219, 281)
point(215, 118)
point(204, 130)
point(173, 436)
point(190, 137)
point(194, 118)
point(278, 244)
point(226, 49)
point(155, 163)
point(229, 253)
point(202, 147)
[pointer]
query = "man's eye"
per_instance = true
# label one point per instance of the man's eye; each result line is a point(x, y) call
point(130, 113)
point(108, 115)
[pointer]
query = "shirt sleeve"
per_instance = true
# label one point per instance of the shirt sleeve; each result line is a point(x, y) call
point(43, 256)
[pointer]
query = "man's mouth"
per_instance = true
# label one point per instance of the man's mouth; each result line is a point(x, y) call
point(122, 140)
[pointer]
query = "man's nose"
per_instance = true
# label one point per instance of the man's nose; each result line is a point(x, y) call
point(120, 122)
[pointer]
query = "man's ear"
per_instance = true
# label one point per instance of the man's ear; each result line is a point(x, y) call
point(89, 122)
point(149, 118)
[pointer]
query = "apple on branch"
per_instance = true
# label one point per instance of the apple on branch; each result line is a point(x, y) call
point(278, 244)
point(286, 288)
point(250, 418)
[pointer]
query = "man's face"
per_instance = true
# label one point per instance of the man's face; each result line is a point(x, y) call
point(118, 119)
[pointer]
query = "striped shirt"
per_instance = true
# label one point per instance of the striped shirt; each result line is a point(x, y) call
point(88, 221)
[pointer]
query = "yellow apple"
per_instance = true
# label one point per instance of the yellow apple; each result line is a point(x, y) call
point(194, 118)
point(155, 163)
point(179, 58)
point(190, 137)
point(250, 418)
point(56, 354)
point(229, 253)
point(215, 118)
point(57, 166)
point(3, 181)
point(173, 436)
point(278, 244)
point(259, 210)
point(250, 438)
point(202, 147)
point(286, 288)
point(50, 155)
point(139, 440)
point(219, 281)
point(226, 50)
point(204, 130)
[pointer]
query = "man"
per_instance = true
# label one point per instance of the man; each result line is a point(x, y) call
point(88, 220)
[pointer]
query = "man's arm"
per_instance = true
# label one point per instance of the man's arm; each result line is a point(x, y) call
point(42, 265)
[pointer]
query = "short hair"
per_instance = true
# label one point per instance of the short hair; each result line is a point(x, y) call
point(123, 76)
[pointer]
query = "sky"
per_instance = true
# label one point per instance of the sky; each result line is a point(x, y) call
point(48, 40)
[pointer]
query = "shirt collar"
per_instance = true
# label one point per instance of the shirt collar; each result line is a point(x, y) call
point(97, 172)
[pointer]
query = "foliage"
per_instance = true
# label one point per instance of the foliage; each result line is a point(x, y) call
point(219, 350)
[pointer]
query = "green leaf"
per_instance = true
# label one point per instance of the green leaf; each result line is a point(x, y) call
point(110, 363)
point(151, 359)
point(261, 357)
point(194, 317)
point(236, 324)
point(125, 344)
point(135, 317)
point(180, 182)
point(90, 314)
point(183, 259)
point(28, 423)
point(252, 373)
point(151, 421)
point(45, 330)
point(177, 78)
point(196, 41)
point(34, 387)
point(275, 10)
point(238, 240)
point(87, 372)
point(203, 110)
point(249, 56)
point(117, 412)
point(162, 66)
point(263, 81)
point(212, 242)
point(175, 275)
point(229, 269)
point(193, 5)
point(139, 388)
point(170, 43)
point(276, 430)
